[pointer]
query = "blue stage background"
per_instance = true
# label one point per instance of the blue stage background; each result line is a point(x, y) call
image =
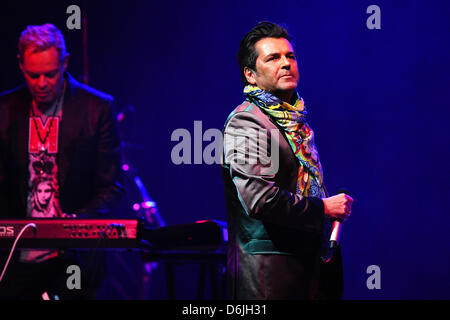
point(378, 101)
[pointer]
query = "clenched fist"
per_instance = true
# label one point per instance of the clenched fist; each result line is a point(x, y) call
point(338, 206)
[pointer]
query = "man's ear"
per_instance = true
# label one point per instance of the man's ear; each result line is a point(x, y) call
point(20, 62)
point(66, 61)
point(250, 75)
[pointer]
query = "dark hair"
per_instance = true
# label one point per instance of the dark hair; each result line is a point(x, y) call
point(247, 53)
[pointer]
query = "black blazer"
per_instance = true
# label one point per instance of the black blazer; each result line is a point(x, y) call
point(89, 158)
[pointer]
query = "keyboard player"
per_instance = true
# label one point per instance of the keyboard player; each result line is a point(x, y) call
point(59, 157)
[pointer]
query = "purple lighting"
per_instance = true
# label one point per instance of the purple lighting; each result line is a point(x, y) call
point(148, 204)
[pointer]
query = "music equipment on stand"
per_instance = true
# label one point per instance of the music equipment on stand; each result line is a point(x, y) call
point(202, 241)
point(112, 233)
point(202, 235)
point(71, 233)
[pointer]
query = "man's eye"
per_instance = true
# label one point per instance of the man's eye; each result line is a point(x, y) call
point(33, 75)
point(51, 75)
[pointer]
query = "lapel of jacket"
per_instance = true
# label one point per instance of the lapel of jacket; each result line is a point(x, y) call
point(19, 137)
point(74, 115)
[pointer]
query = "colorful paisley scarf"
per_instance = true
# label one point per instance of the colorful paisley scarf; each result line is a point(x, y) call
point(291, 118)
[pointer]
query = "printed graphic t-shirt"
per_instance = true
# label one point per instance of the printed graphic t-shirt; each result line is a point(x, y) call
point(43, 187)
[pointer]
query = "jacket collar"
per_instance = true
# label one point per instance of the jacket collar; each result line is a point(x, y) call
point(74, 116)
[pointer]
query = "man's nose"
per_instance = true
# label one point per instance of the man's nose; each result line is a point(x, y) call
point(285, 63)
point(42, 82)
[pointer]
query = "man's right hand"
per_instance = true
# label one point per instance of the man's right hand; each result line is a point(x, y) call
point(338, 206)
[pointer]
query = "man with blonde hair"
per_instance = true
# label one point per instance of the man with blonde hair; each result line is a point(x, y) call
point(58, 128)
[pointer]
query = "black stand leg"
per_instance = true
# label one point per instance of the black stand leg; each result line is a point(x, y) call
point(170, 281)
point(201, 282)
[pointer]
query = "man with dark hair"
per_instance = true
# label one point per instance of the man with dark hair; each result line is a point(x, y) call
point(247, 53)
point(278, 210)
point(60, 130)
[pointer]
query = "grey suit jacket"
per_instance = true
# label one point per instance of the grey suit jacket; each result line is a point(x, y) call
point(265, 215)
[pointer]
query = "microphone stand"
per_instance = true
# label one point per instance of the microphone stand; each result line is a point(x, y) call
point(144, 207)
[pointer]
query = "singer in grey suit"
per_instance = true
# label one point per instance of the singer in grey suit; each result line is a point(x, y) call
point(277, 206)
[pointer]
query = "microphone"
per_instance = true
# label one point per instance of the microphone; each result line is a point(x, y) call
point(335, 236)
